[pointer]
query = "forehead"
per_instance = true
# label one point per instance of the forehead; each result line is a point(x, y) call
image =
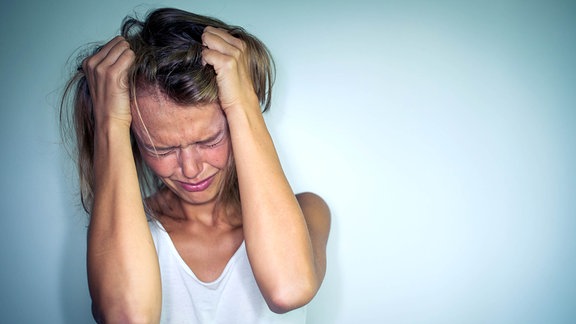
point(157, 118)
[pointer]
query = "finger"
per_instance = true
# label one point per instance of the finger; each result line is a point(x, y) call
point(220, 40)
point(102, 65)
point(109, 73)
point(100, 53)
point(224, 34)
point(125, 58)
point(109, 45)
point(107, 54)
point(212, 57)
point(118, 57)
point(221, 55)
point(118, 70)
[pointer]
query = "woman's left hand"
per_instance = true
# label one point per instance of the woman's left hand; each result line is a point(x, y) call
point(288, 275)
point(229, 57)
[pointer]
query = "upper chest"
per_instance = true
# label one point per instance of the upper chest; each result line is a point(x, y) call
point(206, 253)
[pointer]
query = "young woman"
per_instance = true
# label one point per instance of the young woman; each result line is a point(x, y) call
point(192, 218)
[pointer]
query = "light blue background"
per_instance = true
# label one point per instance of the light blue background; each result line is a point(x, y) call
point(441, 133)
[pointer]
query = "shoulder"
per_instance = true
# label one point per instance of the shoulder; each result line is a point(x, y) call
point(316, 212)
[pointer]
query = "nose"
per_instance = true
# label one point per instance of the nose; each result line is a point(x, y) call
point(190, 162)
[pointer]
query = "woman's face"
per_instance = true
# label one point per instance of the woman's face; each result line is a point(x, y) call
point(187, 147)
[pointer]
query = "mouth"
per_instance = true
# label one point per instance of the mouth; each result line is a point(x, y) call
point(198, 186)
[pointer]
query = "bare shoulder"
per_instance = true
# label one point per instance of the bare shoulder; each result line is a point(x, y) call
point(316, 212)
point(310, 200)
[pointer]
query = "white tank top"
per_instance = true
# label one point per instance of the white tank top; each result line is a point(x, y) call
point(232, 298)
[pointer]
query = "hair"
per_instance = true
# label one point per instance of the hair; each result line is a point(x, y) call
point(167, 45)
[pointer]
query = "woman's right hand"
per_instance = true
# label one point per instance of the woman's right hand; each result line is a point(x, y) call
point(123, 271)
point(107, 75)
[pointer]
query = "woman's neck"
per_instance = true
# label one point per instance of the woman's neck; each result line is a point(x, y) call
point(210, 214)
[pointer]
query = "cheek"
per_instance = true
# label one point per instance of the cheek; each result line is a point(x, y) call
point(218, 157)
point(163, 168)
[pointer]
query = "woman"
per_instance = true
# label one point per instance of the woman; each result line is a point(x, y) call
point(171, 111)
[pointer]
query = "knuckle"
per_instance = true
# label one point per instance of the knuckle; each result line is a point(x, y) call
point(206, 38)
point(130, 54)
point(100, 69)
point(236, 53)
point(241, 45)
point(89, 62)
point(112, 72)
point(230, 62)
point(124, 43)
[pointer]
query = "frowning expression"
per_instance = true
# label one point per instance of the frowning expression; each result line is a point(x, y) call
point(187, 147)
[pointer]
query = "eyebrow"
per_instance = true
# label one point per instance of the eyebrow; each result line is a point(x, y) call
point(154, 148)
point(212, 138)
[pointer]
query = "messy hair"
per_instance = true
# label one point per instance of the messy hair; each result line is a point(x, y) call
point(167, 45)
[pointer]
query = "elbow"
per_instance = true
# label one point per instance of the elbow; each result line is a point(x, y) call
point(290, 297)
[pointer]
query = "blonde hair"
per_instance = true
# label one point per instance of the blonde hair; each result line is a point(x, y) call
point(167, 46)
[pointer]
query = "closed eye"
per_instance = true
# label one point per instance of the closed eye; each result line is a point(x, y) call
point(163, 153)
point(213, 141)
point(158, 153)
point(214, 144)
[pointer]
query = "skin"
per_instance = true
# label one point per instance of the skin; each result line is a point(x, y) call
point(183, 146)
point(123, 269)
point(187, 145)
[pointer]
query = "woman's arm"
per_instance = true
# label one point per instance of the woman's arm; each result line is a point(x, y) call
point(123, 271)
point(285, 235)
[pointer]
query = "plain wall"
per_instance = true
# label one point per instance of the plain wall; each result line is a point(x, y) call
point(441, 133)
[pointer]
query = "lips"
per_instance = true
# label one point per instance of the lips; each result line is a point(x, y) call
point(196, 187)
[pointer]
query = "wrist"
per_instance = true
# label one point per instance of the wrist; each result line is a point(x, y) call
point(246, 103)
point(241, 116)
point(111, 131)
point(108, 124)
